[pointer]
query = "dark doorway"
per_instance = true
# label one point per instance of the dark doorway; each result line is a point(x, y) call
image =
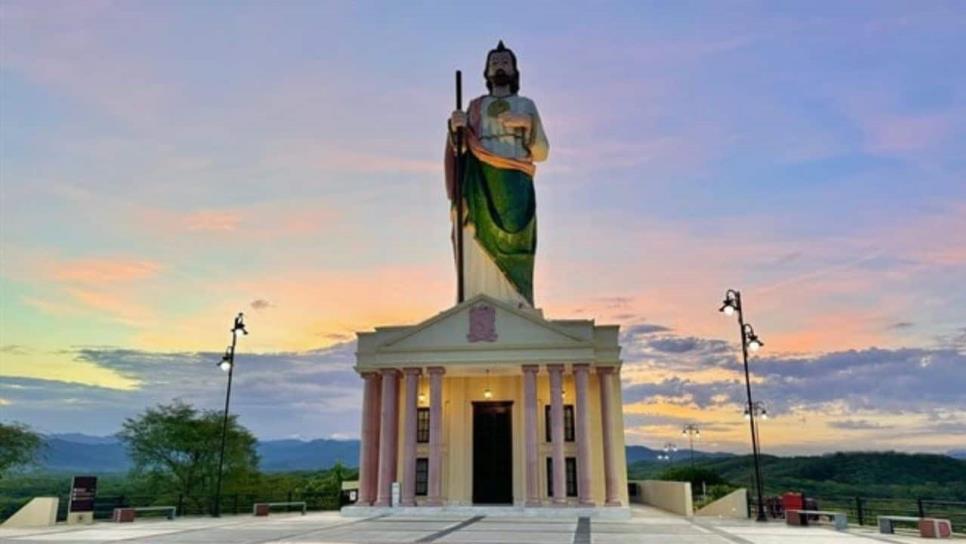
point(492, 453)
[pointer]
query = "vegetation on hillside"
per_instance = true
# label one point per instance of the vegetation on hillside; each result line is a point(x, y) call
point(867, 474)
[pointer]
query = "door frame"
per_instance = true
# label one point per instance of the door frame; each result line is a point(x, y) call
point(509, 420)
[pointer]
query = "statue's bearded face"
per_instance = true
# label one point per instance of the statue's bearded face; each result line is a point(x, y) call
point(499, 68)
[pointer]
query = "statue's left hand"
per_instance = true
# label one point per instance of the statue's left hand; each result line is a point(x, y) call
point(516, 120)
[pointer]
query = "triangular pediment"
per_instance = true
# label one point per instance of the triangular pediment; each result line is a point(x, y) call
point(485, 323)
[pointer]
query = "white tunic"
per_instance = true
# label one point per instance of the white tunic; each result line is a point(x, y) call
point(480, 273)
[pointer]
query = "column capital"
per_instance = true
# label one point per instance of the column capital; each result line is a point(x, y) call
point(555, 368)
point(436, 370)
point(605, 370)
point(580, 367)
point(410, 370)
point(531, 368)
point(389, 372)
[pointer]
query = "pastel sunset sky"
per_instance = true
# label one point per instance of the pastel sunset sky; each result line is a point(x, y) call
point(165, 165)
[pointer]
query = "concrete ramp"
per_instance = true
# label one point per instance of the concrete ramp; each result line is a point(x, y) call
point(39, 512)
point(732, 505)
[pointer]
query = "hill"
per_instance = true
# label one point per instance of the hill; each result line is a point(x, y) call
point(878, 474)
point(643, 453)
point(82, 453)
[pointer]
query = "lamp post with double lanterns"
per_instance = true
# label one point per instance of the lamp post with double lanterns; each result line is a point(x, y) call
point(749, 341)
point(761, 414)
point(669, 448)
point(227, 364)
point(692, 431)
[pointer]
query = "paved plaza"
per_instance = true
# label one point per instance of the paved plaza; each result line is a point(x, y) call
point(646, 526)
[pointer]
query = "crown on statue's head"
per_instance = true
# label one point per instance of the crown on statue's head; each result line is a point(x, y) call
point(500, 46)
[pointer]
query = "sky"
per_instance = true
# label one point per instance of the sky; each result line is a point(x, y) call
point(165, 165)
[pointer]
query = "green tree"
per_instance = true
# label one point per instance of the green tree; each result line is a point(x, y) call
point(695, 475)
point(176, 447)
point(18, 446)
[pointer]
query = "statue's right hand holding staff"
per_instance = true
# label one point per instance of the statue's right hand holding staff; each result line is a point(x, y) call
point(457, 120)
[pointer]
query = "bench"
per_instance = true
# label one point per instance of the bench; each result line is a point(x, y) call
point(263, 508)
point(887, 523)
point(928, 527)
point(127, 514)
point(800, 517)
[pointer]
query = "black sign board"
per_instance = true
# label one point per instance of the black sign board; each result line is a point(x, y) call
point(82, 491)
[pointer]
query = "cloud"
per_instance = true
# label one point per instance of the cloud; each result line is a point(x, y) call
point(644, 328)
point(903, 380)
point(14, 349)
point(260, 304)
point(314, 393)
point(103, 271)
point(857, 425)
point(901, 325)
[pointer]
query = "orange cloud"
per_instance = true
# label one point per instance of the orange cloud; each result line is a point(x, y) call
point(102, 270)
point(225, 221)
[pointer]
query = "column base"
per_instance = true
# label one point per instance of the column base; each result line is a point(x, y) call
point(589, 504)
point(612, 503)
point(532, 503)
point(405, 502)
point(433, 502)
point(559, 502)
point(382, 502)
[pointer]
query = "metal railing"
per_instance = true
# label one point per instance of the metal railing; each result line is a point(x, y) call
point(864, 510)
point(231, 503)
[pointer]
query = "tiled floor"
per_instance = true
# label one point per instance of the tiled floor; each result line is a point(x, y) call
point(647, 526)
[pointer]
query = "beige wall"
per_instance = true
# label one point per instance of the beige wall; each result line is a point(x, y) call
point(459, 393)
point(732, 505)
point(674, 497)
point(39, 512)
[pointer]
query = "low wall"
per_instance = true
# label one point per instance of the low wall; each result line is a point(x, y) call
point(39, 512)
point(732, 505)
point(674, 497)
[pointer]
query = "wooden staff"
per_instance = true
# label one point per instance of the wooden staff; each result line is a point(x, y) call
point(458, 191)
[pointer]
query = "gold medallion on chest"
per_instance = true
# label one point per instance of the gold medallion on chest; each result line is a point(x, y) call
point(497, 107)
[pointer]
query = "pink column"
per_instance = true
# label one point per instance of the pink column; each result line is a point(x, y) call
point(376, 417)
point(434, 495)
point(369, 439)
point(530, 433)
point(408, 490)
point(606, 377)
point(557, 434)
point(388, 437)
point(583, 436)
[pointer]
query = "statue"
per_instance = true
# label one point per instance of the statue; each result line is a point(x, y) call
point(490, 156)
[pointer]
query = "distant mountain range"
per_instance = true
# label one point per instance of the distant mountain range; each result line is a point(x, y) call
point(75, 452)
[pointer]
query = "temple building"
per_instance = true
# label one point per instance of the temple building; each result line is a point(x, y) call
point(489, 403)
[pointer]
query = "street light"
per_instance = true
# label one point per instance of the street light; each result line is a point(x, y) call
point(749, 340)
point(692, 431)
point(669, 448)
point(228, 365)
point(759, 410)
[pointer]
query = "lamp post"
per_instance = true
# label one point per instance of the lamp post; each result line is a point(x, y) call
point(669, 448)
point(749, 341)
point(761, 414)
point(692, 432)
point(227, 364)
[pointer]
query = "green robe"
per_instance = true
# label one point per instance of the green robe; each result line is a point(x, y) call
point(501, 205)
